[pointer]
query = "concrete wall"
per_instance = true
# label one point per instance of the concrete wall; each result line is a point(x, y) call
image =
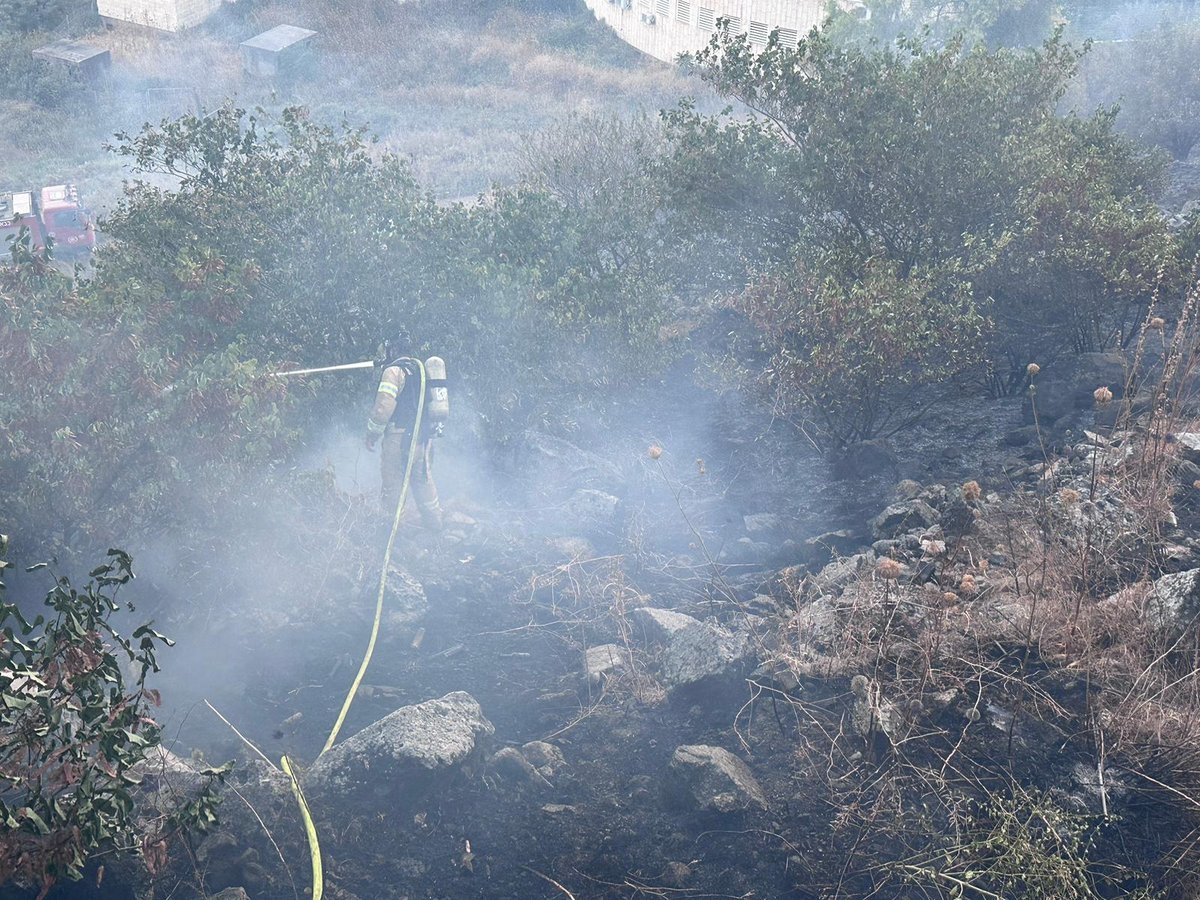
point(666, 28)
point(167, 15)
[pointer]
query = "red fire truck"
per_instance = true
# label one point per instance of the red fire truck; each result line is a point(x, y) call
point(55, 213)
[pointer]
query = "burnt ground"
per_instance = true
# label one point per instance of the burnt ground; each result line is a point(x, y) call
point(274, 636)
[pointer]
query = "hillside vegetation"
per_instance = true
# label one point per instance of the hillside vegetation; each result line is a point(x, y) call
point(871, 239)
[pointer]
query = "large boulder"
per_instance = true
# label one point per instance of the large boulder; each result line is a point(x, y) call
point(711, 779)
point(692, 651)
point(405, 752)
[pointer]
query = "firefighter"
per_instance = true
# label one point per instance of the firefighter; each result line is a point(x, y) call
point(392, 419)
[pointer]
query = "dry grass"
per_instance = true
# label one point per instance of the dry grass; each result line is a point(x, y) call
point(454, 85)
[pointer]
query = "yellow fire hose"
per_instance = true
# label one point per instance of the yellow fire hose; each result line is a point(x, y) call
point(314, 846)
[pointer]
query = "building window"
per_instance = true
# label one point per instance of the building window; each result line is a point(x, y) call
point(663, 8)
point(734, 25)
point(707, 19)
point(759, 32)
point(789, 37)
point(683, 12)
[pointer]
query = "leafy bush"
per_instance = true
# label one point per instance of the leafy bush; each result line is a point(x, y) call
point(71, 733)
point(948, 165)
point(849, 361)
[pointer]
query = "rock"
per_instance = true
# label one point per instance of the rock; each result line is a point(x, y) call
point(603, 660)
point(746, 551)
point(839, 573)
point(511, 764)
point(821, 549)
point(233, 893)
point(544, 757)
point(864, 460)
point(404, 598)
point(901, 517)
point(399, 756)
point(1174, 601)
point(763, 523)
point(593, 512)
point(557, 468)
point(1188, 443)
point(906, 490)
point(1068, 386)
point(712, 779)
point(693, 651)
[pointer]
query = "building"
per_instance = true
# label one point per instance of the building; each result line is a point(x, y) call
point(165, 15)
point(90, 62)
point(277, 50)
point(666, 28)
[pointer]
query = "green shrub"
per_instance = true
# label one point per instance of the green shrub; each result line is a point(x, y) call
point(72, 733)
point(949, 169)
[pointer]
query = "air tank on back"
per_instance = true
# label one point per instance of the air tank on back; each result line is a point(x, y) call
point(437, 401)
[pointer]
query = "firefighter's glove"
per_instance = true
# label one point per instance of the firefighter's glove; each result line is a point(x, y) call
point(372, 439)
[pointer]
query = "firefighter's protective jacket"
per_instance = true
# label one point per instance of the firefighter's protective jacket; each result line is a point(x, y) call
point(391, 385)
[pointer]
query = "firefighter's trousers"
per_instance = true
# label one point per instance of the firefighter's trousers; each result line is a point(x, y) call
point(393, 460)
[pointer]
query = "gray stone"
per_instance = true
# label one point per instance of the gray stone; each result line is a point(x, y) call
point(906, 490)
point(821, 549)
point(693, 651)
point(746, 550)
point(763, 523)
point(546, 758)
point(603, 660)
point(593, 512)
point(405, 749)
point(404, 598)
point(233, 893)
point(839, 573)
point(1174, 601)
point(712, 779)
point(511, 764)
point(901, 517)
point(1188, 443)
